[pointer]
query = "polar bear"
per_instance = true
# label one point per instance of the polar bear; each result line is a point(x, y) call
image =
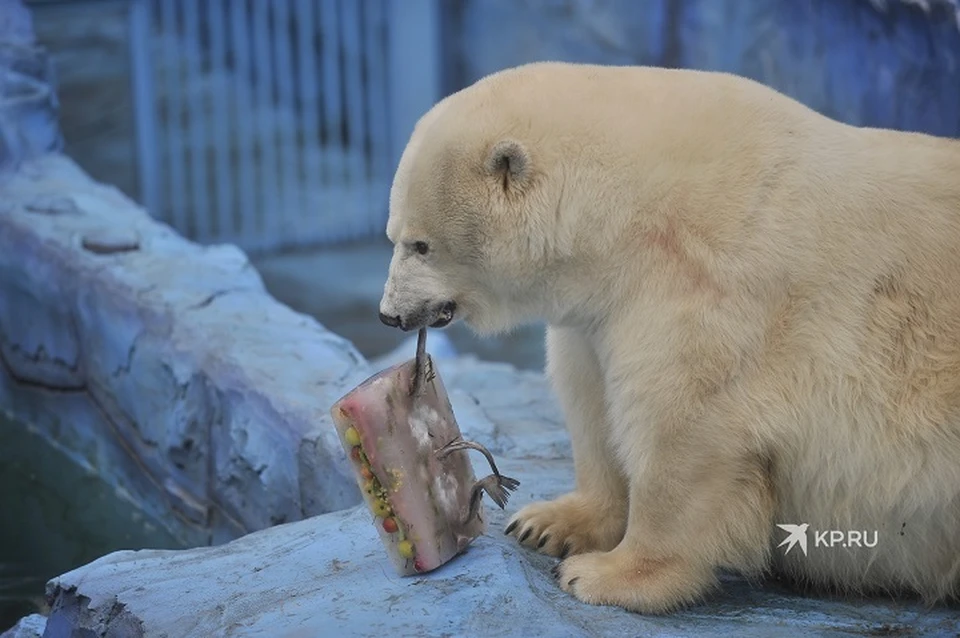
point(753, 321)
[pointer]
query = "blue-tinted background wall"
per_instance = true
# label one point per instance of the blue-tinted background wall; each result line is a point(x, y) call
point(898, 68)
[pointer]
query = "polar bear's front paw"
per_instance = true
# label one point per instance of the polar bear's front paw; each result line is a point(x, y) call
point(623, 579)
point(570, 525)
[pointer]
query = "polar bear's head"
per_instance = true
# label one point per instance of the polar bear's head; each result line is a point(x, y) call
point(475, 213)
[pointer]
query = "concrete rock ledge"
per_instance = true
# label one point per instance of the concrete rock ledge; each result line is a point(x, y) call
point(164, 365)
point(31, 626)
point(329, 576)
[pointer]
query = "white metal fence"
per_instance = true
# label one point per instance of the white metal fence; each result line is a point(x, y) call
point(277, 123)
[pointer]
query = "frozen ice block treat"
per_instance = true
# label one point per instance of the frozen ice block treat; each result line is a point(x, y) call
point(411, 463)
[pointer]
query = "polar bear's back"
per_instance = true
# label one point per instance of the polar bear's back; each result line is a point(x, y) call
point(559, 88)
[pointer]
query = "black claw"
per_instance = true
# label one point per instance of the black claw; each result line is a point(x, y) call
point(543, 540)
point(526, 534)
point(512, 526)
point(565, 550)
point(555, 570)
point(572, 581)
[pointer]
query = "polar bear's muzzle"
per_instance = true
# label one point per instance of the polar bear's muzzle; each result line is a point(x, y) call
point(433, 316)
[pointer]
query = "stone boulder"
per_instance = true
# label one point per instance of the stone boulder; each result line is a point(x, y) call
point(163, 365)
point(330, 576)
point(32, 626)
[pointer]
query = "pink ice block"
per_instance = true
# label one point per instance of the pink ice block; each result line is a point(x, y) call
point(426, 501)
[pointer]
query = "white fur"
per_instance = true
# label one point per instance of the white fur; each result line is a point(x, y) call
point(754, 318)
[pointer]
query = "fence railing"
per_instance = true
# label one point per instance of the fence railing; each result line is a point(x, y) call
point(274, 124)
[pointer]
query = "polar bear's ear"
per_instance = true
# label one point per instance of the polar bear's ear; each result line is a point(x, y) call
point(509, 162)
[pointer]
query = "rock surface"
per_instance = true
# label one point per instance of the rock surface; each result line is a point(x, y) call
point(164, 365)
point(32, 626)
point(329, 575)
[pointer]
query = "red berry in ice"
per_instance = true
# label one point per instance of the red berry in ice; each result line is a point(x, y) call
point(390, 525)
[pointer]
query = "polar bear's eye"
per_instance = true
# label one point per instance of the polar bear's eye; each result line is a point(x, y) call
point(421, 247)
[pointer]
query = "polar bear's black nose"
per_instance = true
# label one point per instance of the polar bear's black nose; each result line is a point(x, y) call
point(393, 322)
